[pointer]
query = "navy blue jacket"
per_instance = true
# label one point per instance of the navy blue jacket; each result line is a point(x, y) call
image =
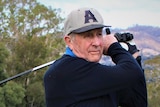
point(75, 82)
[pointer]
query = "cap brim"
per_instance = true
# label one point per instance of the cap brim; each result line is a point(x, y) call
point(90, 27)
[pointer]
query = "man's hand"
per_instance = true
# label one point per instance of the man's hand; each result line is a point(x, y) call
point(132, 48)
point(107, 41)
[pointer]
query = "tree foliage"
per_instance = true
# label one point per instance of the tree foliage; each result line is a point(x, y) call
point(31, 35)
point(3, 56)
point(11, 95)
point(27, 17)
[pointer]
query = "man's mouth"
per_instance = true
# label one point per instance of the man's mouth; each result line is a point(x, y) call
point(95, 52)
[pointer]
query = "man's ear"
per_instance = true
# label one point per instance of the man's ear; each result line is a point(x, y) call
point(67, 40)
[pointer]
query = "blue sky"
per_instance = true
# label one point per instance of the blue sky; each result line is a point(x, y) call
point(117, 13)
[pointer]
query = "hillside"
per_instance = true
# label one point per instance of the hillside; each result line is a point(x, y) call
point(147, 39)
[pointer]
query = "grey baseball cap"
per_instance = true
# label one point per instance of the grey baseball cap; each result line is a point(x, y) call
point(82, 20)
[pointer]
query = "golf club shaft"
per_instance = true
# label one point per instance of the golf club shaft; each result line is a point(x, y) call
point(26, 72)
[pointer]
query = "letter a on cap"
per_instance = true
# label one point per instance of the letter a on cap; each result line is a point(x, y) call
point(88, 16)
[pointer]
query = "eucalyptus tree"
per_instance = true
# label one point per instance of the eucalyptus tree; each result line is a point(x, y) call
point(33, 36)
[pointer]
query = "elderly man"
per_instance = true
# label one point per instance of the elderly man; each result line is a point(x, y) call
point(78, 80)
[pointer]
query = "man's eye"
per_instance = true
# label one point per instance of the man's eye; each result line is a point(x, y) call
point(99, 34)
point(88, 36)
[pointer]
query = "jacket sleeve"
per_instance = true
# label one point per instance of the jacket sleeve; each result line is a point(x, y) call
point(135, 96)
point(94, 79)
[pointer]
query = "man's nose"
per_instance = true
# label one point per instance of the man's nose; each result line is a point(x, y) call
point(97, 40)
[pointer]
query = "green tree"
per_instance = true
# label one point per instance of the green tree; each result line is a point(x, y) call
point(36, 94)
point(32, 34)
point(28, 52)
point(3, 56)
point(27, 17)
point(11, 95)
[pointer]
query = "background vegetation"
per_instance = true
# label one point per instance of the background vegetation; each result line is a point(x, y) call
point(152, 72)
point(30, 35)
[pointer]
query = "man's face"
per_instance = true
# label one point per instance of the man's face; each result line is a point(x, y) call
point(87, 45)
